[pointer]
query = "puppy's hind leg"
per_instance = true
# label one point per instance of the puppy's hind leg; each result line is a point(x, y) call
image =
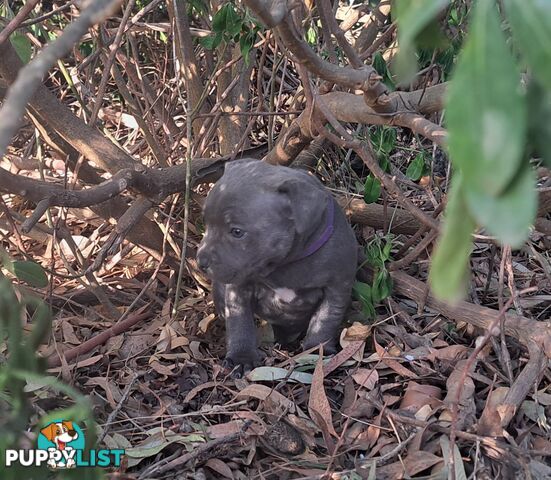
point(326, 321)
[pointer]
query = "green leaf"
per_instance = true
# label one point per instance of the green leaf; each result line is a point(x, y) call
point(22, 46)
point(233, 21)
point(373, 252)
point(380, 65)
point(30, 272)
point(275, 374)
point(539, 133)
point(385, 253)
point(246, 43)
point(450, 262)
point(387, 139)
point(372, 189)
point(212, 41)
point(486, 114)
point(510, 215)
point(416, 168)
point(311, 36)
point(382, 286)
point(384, 162)
point(531, 24)
point(363, 293)
point(199, 6)
point(219, 19)
point(413, 17)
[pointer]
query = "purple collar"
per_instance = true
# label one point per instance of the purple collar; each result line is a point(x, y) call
point(319, 242)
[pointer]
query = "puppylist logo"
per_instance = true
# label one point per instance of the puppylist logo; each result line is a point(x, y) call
point(61, 445)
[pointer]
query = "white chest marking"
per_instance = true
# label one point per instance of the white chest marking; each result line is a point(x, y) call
point(285, 294)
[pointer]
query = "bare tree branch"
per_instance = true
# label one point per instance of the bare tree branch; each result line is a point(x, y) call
point(364, 78)
point(31, 74)
point(347, 107)
point(110, 59)
point(17, 20)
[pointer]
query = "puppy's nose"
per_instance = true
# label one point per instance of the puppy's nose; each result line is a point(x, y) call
point(203, 261)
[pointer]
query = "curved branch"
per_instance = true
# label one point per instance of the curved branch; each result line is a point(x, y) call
point(271, 12)
point(16, 21)
point(31, 74)
point(528, 332)
point(347, 107)
point(365, 78)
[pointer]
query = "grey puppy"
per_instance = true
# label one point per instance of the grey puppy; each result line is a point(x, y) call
point(279, 247)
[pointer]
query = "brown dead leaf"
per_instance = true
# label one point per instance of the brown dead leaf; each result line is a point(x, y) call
point(135, 344)
point(460, 385)
point(307, 428)
point(346, 353)
point(166, 338)
point(112, 392)
point(262, 392)
point(205, 322)
point(542, 444)
point(452, 352)
point(417, 396)
point(366, 377)
point(490, 420)
point(69, 334)
point(224, 429)
point(392, 364)
point(160, 368)
point(195, 390)
point(413, 464)
point(220, 467)
point(81, 364)
point(256, 427)
point(460, 388)
point(114, 344)
point(318, 405)
point(357, 331)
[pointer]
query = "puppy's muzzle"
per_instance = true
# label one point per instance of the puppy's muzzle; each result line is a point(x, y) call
point(205, 259)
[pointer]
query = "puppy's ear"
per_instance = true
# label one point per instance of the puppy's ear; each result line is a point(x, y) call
point(308, 203)
point(49, 432)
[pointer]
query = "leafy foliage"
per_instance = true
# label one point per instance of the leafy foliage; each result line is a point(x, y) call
point(377, 254)
point(413, 17)
point(229, 24)
point(418, 167)
point(24, 368)
point(488, 127)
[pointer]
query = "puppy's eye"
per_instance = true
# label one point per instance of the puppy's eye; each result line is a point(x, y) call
point(237, 232)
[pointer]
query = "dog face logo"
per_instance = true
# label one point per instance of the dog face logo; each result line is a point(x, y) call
point(66, 438)
point(61, 445)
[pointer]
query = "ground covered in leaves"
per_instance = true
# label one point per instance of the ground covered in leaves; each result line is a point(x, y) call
point(407, 396)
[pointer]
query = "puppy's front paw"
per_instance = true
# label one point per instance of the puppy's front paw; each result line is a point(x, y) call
point(241, 363)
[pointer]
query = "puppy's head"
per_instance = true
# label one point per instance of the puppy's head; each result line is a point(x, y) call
point(255, 216)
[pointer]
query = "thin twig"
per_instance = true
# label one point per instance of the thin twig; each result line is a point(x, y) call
point(117, 409)
point(16, 21)
point(30, 76)
point(110, 59)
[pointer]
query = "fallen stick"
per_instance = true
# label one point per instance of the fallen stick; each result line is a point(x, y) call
point(527, 331)
point(100, 339)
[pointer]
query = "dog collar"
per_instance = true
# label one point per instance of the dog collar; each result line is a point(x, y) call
point(319, 242)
